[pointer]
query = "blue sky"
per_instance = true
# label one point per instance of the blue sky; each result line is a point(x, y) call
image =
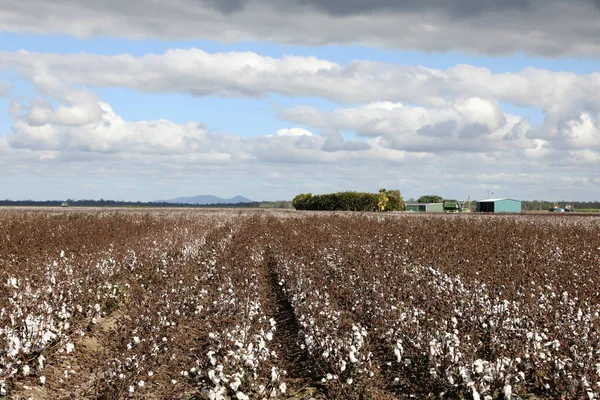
point(218, 104)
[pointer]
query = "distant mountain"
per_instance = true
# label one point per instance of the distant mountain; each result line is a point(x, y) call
point(207, 199)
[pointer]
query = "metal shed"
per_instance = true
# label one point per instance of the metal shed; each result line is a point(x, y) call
point(499, 205)
point(425, 207)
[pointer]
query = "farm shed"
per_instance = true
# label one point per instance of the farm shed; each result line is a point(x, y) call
point(425, 207)
point(499, 205)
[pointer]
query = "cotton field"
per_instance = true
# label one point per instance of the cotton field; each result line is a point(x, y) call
point(189, 304)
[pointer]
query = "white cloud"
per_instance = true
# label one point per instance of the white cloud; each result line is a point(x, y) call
point(582, 132)
point(467, 125)
point(539, 151)
point(475, 26)
point(585, 157)
point(293, 132)
point(81, 134)
point(480, 111)
point(560, 95)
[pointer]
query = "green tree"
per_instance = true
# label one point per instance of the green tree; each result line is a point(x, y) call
point(302, 201)
point(396, 202)
point(430, 198)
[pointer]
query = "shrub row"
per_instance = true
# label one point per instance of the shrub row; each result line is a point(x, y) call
point(389, 200)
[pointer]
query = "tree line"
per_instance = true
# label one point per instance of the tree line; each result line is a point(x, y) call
point(385, 200)
point(537, 205)
point(116, 203)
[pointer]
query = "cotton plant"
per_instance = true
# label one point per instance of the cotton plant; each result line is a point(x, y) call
point(339, 352)
point(43, 312)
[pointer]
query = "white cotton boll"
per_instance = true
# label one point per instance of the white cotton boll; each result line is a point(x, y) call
point(235, 384)
point(329, 377)
point(507, 392)
point(26, 370)
point(241, 396)
point(282, 387)
point(42, 380)
point(478, 364)
point(274, 374)
point(131, 389)
point(212, 358)
point(398, 354)
point(14, 346)
point(97, 307)
point(141, 383)
point(69, 348)
point(211, 375)
point(150, 373)
point(41, 360)
point(349, 381)
point(342, 365)
point(136, 340)
point(476, 394)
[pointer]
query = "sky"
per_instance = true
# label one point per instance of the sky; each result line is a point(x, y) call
point(146, 100)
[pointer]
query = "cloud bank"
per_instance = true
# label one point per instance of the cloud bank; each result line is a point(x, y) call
point(415, 126)
point(549, 28)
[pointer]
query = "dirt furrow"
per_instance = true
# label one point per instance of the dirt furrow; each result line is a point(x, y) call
point(302, 373)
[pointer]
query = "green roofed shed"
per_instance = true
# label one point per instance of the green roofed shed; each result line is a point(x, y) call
point(425, 207)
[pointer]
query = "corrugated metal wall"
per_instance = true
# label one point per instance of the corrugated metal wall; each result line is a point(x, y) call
point(507, 205)
point(435, 207)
